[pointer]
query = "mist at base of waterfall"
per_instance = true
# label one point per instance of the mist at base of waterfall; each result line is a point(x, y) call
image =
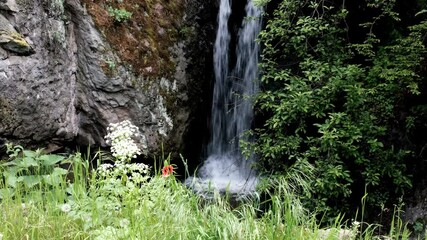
point(225, 174)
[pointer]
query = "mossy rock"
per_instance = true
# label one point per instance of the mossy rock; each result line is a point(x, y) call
point(11, 40)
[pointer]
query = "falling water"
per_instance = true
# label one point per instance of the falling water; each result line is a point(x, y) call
point(225, 167)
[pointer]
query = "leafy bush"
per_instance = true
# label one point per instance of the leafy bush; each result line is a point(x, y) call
point(332, 97)
point(30, 169)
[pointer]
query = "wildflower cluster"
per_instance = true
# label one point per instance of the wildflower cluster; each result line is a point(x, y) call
point(122, 177)
point(136, 173)
point(123, 147)
point(114, 186)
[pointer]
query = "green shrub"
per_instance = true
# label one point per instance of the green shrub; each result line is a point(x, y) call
point(332, 97)
point(27, 170)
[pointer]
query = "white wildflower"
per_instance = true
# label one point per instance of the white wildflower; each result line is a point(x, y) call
point(120, 136)
point(25, 208)
point(65, 207)
point(356, 224)
point(124, 223)
point(136, 173)
point(87, 218)
point(1, 236)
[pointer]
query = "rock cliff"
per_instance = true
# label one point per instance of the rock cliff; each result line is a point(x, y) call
point(68, 69)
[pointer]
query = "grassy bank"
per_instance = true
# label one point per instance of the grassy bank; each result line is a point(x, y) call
point(122, 205)
point(47, 196)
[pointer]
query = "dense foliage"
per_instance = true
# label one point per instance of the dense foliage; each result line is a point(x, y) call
point(341, 85)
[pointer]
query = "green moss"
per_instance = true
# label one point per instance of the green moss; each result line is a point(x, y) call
point(120, 15)
point(186, 32)
point(143, 40)
point(14, 42)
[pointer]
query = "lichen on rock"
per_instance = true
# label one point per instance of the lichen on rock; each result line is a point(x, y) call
point(11, 40)
point(164, 122)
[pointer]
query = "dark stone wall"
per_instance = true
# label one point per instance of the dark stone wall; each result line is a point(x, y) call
point(65, 93)
point(203, 19)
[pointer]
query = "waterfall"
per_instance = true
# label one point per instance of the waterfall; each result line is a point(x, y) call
point(226, 169)
point(221, 91)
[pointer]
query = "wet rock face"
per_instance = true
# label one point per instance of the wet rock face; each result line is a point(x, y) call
point(70, 84)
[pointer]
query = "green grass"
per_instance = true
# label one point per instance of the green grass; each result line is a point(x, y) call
point(90, 207)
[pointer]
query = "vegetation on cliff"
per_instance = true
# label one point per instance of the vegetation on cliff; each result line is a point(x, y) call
point(141, 32)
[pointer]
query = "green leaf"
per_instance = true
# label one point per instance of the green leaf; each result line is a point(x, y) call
point(29, 153)
point(421, 12)
point(49, 160)
point(6, 193)
point(52, 180)
point(11, 179)
point(27, 162)
point(31, 180)
point(59, 171)
point(10, 163)
point(12, 170)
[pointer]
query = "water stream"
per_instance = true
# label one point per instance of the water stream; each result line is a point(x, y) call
point(226, 169)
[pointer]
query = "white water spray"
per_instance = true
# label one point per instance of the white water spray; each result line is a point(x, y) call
point(226, 169)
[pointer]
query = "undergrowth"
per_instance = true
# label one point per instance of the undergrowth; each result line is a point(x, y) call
point(160, 208)
point(128, 200)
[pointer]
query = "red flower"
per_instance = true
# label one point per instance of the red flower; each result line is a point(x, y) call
point(167, 171)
